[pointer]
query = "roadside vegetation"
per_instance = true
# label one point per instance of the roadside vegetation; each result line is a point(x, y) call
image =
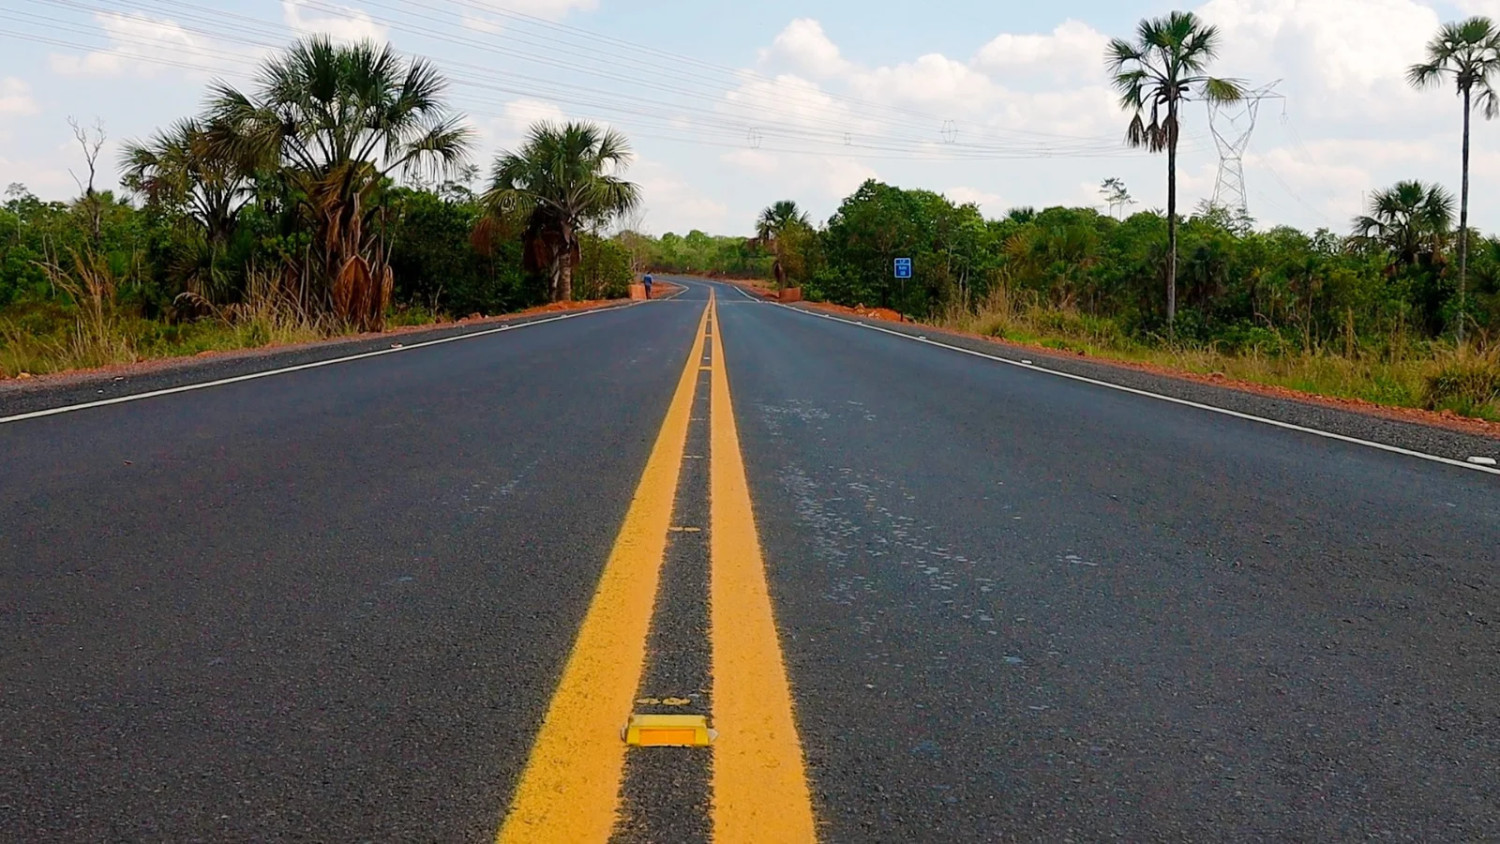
point(334, 196)
point(338, 195)
point(1402, 308)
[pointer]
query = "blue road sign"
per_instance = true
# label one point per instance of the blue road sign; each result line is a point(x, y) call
point(903, 268)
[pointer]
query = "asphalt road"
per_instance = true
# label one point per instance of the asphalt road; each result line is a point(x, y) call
point(337, 604)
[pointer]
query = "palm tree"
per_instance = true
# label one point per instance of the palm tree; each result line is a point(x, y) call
point(178, 169)
point(776, 220)
point(336, 122)
point(1469, 52)
point(1409, 221)
point(1164, 68)
point(778, 217)
point(563, 179)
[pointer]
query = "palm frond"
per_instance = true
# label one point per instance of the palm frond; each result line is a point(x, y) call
point(1424, 75)
point(1222, 90)
point(1135, 133)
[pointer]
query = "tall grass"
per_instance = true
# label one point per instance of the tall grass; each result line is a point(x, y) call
point(95, 330)
point(1393, 371)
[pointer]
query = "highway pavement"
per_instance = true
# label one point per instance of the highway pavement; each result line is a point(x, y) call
point(920, 595)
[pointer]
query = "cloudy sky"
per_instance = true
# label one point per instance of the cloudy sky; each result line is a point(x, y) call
point(732, 107)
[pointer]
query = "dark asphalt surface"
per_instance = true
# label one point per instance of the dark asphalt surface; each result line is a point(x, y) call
point(329, 605)
point(333, 604)
point(1017, 607)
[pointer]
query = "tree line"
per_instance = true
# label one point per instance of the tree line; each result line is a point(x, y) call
point(1237, 286)
point(1403, 272)
point(338, 189)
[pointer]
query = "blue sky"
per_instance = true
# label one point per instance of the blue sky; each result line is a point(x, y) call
point(733, 106)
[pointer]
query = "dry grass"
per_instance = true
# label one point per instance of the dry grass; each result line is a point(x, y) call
point(48, 337)
point(1434, 376)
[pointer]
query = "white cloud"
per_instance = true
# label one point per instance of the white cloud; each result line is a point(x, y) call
point(840, 176)
point(789, 100)
point(990, 203)
point(804, 47)
point(1486, 8)
point(508, 130)
point(753, 160)
point(673, 203)
point(932, 80)
point(1348, 55)
point(519, 115)
point(1091, 112)
point(1331, 188)
point(522, 113)
point(143, 46)
point(348, 24)
point(1071, 50)
point(42, 178)
point(15, 97)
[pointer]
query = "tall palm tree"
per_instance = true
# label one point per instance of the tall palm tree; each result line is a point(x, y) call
point(1165, 67)
point(1469, 53)
point(178, 169)
point(563, 179)
point(1409, 221)
point(775, 221)
point(337, 121)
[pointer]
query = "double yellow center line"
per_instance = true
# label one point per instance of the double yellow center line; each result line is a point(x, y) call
point(570, 788)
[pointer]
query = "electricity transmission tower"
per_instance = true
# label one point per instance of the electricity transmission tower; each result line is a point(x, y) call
point(1232, 125)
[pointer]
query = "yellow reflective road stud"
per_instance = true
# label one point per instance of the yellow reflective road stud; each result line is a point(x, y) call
point(668, 731)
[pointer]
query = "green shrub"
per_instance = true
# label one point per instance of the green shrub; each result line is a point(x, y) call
point(1465, 385)
point(1241, 338)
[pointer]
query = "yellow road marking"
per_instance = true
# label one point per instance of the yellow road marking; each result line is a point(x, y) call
point(570, 789)
point(760, 791)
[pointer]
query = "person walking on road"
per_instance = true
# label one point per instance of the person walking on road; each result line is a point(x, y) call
point(646, 280)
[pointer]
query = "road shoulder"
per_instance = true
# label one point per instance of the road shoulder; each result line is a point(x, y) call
point(1459, 442)
point(20, 396)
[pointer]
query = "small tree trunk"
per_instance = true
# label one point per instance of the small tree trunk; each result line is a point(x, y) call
point(565, 278)
point(564, 290)
point(1463, 226)
point(1172, 221)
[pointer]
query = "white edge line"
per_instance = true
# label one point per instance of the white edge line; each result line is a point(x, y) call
point(1184, 402)
point(743, 293)
point(510, 326)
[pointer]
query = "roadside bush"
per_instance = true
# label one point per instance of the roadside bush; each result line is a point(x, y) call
point(1242, 338)
point(1466, 384)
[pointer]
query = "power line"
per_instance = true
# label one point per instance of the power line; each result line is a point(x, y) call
point(673, 121)
point(723, 100)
